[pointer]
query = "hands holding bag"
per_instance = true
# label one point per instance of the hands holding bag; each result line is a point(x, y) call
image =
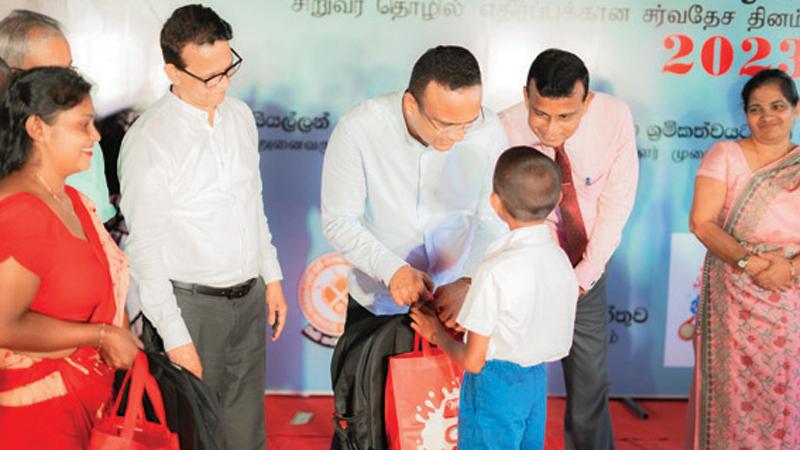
point(132, 431)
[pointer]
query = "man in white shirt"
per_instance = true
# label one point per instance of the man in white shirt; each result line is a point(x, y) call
point(200, 246)
point(405, 189)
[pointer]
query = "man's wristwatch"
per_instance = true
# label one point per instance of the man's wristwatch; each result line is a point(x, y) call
point(742, 262)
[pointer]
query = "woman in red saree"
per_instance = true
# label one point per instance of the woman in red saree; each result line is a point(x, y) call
point(746, 211)
point(61, 314)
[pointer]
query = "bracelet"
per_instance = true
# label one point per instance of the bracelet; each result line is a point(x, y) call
point(793, 270)
point(102, 335)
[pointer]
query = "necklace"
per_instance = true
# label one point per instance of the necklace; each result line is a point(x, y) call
point(55, 196)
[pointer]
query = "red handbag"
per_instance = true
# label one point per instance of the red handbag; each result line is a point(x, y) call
point(422, 392)
point(132, 431)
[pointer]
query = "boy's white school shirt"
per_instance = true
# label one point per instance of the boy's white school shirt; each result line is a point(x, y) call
point(523, 297)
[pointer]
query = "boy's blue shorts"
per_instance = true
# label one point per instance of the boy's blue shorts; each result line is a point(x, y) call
point(503, 407)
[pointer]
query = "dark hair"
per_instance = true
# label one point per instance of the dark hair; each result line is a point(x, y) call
point(527, 182)
point(770, 76)
point(555, 72)
point(448, 65)
point(191, 24)
point(42, 92)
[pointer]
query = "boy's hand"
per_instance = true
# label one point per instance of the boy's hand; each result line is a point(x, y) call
point(448, 300)
point(426, 323)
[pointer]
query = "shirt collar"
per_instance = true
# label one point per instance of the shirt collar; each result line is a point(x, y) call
point(533, 235)
point(193, 111)
point(397, 108)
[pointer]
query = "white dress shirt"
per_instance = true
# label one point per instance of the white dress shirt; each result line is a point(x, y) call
point(524, 298)
point(388, 200)
point(191, 196)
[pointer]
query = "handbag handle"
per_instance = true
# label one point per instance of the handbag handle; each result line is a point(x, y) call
point(141, 381)
point(421, 345)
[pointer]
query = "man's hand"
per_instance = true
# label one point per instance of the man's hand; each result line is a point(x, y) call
point(276, 309)
point(426, 323)
point(448, 300)
point(409, 285)
point(186, 356)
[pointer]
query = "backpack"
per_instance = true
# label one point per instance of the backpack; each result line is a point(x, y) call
point(358, 371)
point(192, 410)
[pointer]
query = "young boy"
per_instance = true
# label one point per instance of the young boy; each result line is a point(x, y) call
point(519, 312)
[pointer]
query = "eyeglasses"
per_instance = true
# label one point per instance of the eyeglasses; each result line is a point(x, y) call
point(442, 128)
point(215, 79)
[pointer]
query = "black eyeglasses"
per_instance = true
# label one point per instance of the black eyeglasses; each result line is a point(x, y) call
point(215, 79)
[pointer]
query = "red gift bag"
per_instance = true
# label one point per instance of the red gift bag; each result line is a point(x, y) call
point(422, 390)
point(133, 431)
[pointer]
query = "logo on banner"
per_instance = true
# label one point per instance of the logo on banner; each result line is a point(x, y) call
point(322, 295)
point(440, 424)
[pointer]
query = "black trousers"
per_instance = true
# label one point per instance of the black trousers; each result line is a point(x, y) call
point(587, 422)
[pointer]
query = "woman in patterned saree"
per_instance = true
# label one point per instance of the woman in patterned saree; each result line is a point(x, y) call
point(746, 386)
point(61, 317)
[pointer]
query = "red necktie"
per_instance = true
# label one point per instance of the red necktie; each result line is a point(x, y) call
point(572, 232)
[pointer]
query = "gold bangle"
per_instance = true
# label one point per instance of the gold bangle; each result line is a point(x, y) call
point(102, 335)
point(793, 270)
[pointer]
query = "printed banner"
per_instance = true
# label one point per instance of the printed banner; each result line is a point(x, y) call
point(680, 65)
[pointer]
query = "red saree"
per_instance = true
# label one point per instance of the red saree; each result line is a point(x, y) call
point(53, 403)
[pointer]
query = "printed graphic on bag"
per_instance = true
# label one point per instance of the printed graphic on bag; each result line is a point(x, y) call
point(439, 421)
point(422, 399)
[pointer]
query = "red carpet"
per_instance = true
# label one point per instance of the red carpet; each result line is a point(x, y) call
point(663, 430)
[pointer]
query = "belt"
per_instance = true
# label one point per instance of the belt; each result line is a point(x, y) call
point(235, 291)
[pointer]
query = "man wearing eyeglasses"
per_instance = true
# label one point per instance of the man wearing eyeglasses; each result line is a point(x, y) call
point(405, 189)
point(200, 245)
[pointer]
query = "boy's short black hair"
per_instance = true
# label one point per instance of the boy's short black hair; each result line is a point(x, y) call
point(527, 182)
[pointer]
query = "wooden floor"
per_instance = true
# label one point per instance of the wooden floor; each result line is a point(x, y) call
point(664, 429)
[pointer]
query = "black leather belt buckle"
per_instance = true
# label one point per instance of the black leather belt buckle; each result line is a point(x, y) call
point(240, 290)
point(236, 291)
